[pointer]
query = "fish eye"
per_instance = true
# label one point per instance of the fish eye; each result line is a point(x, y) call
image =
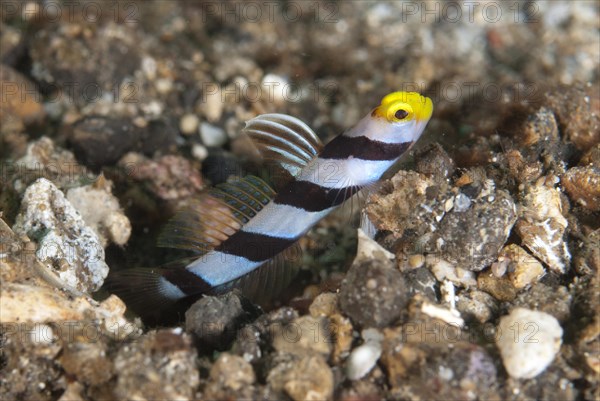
point(401, 114)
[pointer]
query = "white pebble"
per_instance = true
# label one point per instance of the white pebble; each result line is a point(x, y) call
point(528, 342)
point(149, 67)
point(461, 202)
point(164, 85)
point(189, 124)
point(444, 270)
point(41, 334)
point(212, 105)
point(199, 152)
point(277, 88)
point(363, 358)
point(212, 135)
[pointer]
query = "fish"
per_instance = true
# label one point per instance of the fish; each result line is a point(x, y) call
point(243, 233)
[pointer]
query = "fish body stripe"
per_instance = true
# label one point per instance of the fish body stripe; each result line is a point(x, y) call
point(284, 221)
point(361, 147)
point(217, 268)
point(254, 246)
point(343, 173)
point(313, 197)
point(188, 282)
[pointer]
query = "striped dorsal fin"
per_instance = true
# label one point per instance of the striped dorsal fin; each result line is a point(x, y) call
point(283, 141)
point(215, 215)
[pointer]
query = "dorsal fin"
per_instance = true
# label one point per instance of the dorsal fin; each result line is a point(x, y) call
point(283, 141)
point(245, 197)
point(215, 215)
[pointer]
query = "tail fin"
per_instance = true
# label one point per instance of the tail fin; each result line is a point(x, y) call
point(144, 290)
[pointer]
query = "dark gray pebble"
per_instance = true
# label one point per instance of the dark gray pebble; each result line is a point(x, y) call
point(373, 294)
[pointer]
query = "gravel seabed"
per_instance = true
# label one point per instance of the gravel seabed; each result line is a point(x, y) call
point(481, 283)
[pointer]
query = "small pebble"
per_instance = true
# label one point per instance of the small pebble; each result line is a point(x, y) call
point(372, 293)
point(362, 359)
point(232, 371)
point(461, 202)
point(342, 328)
point(199, 152)
point(188, 124)
point(416, 261)
point(499, 287)
point(161, 365)
point(304, 335)
point(528, 342)
point(583, 186)
point(478, 305)
point(164, 85)
point(278, 88)
point(443, 270)
point(213, 320)
point(524, 269)
point(542, 226)
point(100, 141)
point(302, 379)
point(101, 211)
point(212, 135)
point(212, 104)
point(324, 304)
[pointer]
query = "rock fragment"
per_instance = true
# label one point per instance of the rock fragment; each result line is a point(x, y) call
point(168, 177)
point(306, 378)
point(160, 365)
point(523, 269)
point(499, 287)
point(212, 135)
point(65, 243)
point(188, 124)
point(325, 304)
point(489, 223)
point(21, 102)
point(577, 110)
point(101, 211)
point(364, 357)
point(101, 141)
point(232, 372)
point(43, 159)
point(465, 225)
point(477, 304)
point(583, 186)
point(373, 294)
point(304, 335)
point(429, 360)
point(213, 320)
point(541, 226)
point(528, 342)
point(435, 162)
point(87, 361)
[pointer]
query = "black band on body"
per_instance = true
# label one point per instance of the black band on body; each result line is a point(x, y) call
point(253, 246)
point(187, 281)
point(361, 147)
point(313, 197)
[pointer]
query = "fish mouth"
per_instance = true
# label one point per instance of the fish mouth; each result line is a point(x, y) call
point(423, 108)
